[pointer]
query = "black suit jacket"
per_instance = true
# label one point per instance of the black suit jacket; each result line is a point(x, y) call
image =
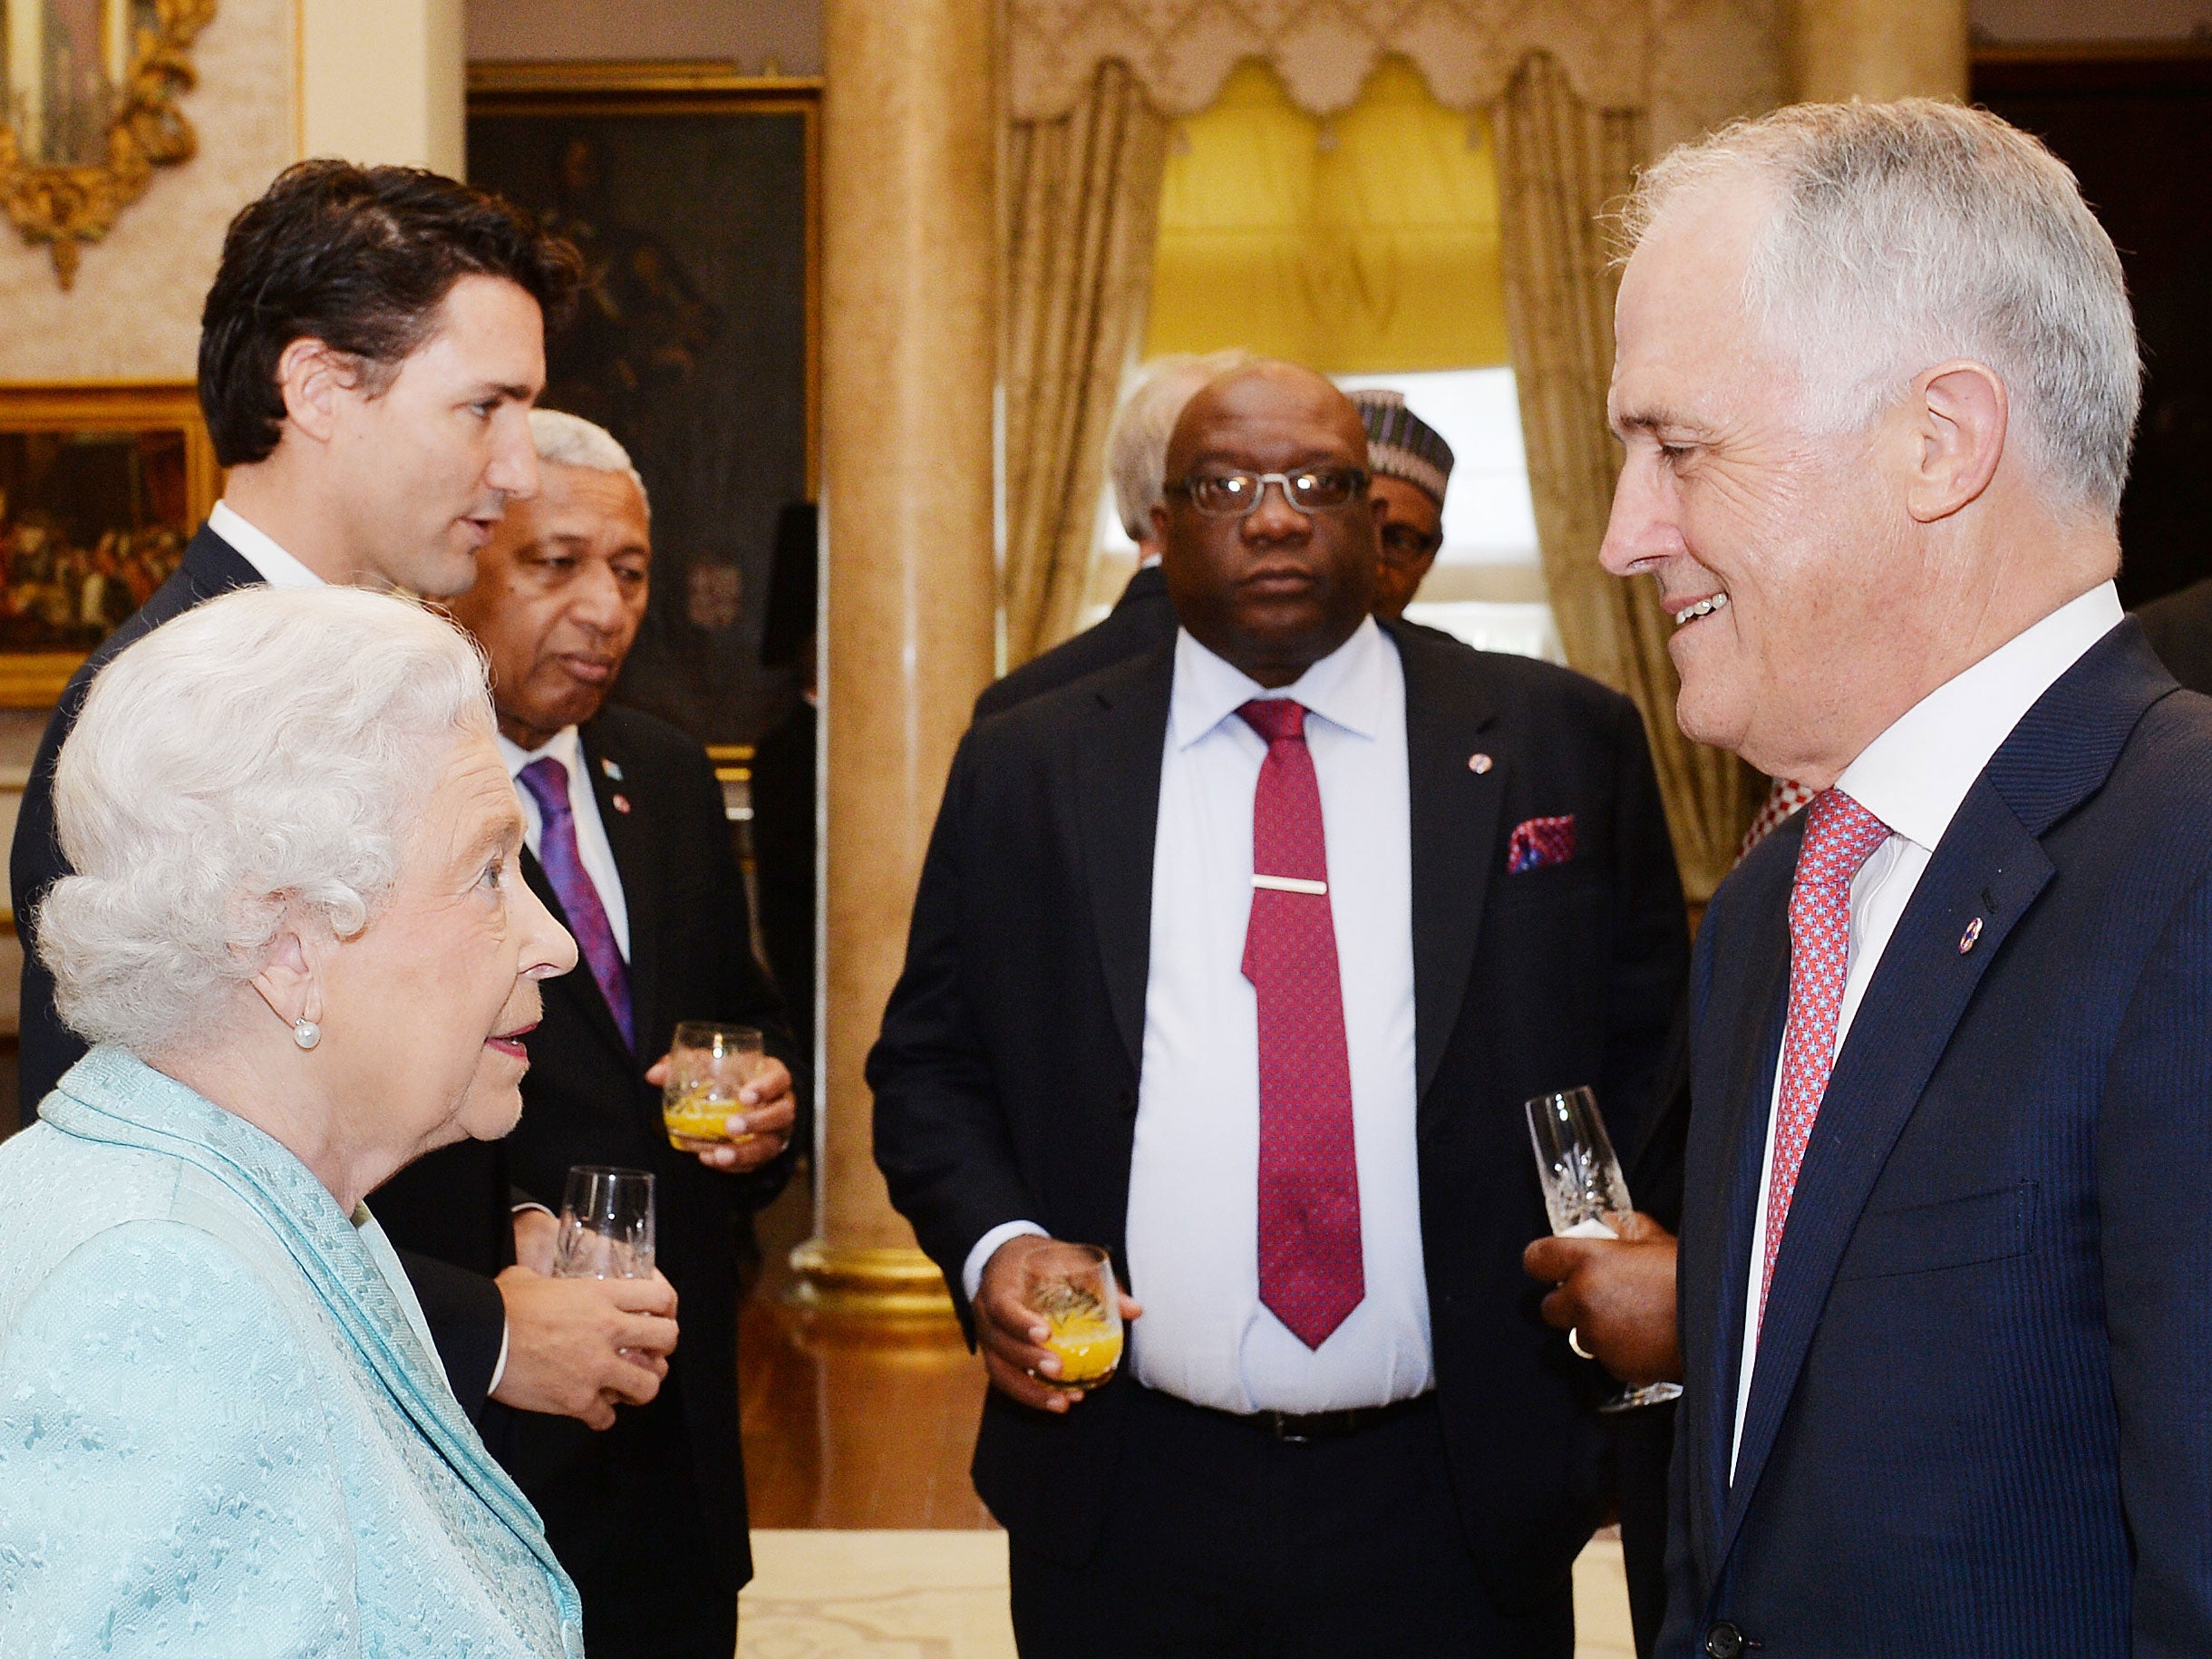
point(466, 1316)
point(2180, 627)
point(1141, 620)
point(1007, 1075)
point(1977, 1425)
point(585, 1102)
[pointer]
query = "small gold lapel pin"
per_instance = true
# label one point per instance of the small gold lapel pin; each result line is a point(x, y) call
point(1966, 940)
point(1480, 763)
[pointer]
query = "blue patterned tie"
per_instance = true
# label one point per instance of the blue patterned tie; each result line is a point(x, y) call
point(548, 781)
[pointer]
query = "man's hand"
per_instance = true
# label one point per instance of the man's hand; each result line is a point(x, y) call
point(579, 1347)
point(536, 1239)
point(1011, 1334)
point(766, 1122)
point(1616, 1297)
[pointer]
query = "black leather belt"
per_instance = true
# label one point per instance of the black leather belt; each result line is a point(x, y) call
point(1297, 1428)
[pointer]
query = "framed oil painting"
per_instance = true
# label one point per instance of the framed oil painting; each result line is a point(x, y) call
point(101, 487)
point(692, 192)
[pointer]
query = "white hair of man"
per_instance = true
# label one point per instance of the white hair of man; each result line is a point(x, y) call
point(265, 753)
point(1137, 446)
point(564, 439)
point(1905, 234)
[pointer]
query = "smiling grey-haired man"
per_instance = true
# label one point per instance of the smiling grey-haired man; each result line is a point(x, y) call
point(1949, 1214)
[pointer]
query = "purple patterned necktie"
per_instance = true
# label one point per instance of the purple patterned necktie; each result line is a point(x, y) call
point(548, 781)
point(1310, 1271)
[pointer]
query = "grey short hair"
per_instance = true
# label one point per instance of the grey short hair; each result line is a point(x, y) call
point(270, 749)
point(564, 439)
point(1906, 234)
point(1137, 447)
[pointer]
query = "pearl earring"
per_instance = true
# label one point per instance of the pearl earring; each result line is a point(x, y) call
point(306, 1033)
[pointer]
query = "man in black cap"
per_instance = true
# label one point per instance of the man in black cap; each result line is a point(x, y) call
point(1411, 465)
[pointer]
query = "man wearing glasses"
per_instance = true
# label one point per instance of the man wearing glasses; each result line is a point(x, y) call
point(1411, 466)
point(1240, 959)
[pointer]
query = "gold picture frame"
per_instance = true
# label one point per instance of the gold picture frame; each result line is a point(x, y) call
point(101, 485)
point(69, 204)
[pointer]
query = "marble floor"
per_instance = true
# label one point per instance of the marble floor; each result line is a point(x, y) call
point(942, 1595)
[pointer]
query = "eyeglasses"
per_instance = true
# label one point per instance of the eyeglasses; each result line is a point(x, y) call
point(1235, 495)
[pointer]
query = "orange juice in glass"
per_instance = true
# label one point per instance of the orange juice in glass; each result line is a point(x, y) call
point(707, 1065)
point(1072, 1285)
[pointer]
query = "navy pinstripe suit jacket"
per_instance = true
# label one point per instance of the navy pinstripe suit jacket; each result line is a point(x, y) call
point(1981, 1417)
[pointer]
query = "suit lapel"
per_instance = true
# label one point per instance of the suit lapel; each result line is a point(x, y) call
point(621, 808)
point(1990, 866)
point(1453, 816)
point(1116, 774)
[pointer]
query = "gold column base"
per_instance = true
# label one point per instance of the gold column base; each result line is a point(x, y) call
point(873, 1282)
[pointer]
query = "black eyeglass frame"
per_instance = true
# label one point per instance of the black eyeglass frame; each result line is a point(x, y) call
point(1357, 478)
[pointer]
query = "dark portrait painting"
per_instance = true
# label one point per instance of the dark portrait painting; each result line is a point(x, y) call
point(690, 344)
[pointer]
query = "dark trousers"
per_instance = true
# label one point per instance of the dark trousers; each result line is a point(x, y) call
point(621, 1512)
point(1642, 1446)
point(1219, 1540)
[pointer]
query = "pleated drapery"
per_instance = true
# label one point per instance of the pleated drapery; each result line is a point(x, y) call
point(1561, 163)
point(1082, 203)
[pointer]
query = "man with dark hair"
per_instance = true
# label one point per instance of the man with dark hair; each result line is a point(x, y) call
point(369, 355)
point(1238, 959)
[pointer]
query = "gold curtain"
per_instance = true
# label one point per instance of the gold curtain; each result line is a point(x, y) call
point(1561, 163)
point(1363, 243)
point(1082, 200)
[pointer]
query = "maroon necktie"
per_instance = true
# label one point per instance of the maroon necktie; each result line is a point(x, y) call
point(558, 855)
point(1311, 1275)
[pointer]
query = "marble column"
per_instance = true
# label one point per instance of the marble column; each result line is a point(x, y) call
point(909, 351)
point(1878, 49)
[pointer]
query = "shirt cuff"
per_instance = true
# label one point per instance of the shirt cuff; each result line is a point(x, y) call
point(499, 1370)
point(516, 1209)
point(971, 1276)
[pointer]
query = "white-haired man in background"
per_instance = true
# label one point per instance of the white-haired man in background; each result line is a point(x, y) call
point(1949, 1214)
point(1137, 462)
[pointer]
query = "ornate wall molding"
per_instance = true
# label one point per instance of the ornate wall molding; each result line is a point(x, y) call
point(1183, 50)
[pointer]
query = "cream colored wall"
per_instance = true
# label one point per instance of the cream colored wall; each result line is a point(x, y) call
point(754, 33)
point(384, 80)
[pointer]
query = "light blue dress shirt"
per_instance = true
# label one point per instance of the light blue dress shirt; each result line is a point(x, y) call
point(223, 1426)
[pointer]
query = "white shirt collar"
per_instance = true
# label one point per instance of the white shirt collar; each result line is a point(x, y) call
point(565, 745)
point(1345, 687)
point(1914, 776)
point(278, 569)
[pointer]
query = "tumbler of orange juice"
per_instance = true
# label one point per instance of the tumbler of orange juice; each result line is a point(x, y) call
point(1072, 1285)
point(707, 1065)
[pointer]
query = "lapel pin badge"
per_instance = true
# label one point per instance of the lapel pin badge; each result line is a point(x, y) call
point(1480, 763)
point(611, 769)
point(622, 804)
point(1966, 940)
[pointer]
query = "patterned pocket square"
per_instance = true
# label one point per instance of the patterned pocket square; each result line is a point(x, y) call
point(1539, 843)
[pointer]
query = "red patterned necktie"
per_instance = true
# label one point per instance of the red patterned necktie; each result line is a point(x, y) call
point(1311, 1274)
point(1840, 836)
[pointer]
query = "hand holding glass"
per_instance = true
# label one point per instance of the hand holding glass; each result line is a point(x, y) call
point(707, 1065)
point(1072, 1286)
point(606, 1225)
point(1585, 1192)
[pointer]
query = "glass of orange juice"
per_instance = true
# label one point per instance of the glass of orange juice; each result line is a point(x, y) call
point(708, 1063)
point(1072, 1286)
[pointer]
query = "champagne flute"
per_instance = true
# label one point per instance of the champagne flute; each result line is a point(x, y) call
point(1584, 1193)
point(1072, 1286)
point(606, 1225)
point(707, 1065)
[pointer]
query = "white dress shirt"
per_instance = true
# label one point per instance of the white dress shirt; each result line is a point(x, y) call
point(1194, 1175)
point(591, 843)
point(1913, 777)
point(278, 569)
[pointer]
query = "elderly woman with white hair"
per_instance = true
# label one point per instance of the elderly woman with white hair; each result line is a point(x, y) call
point(299, 943)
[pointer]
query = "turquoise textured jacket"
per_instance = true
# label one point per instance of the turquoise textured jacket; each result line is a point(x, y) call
point(223, 1428)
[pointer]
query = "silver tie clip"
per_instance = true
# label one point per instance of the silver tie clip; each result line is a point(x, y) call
point(1289, 883)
